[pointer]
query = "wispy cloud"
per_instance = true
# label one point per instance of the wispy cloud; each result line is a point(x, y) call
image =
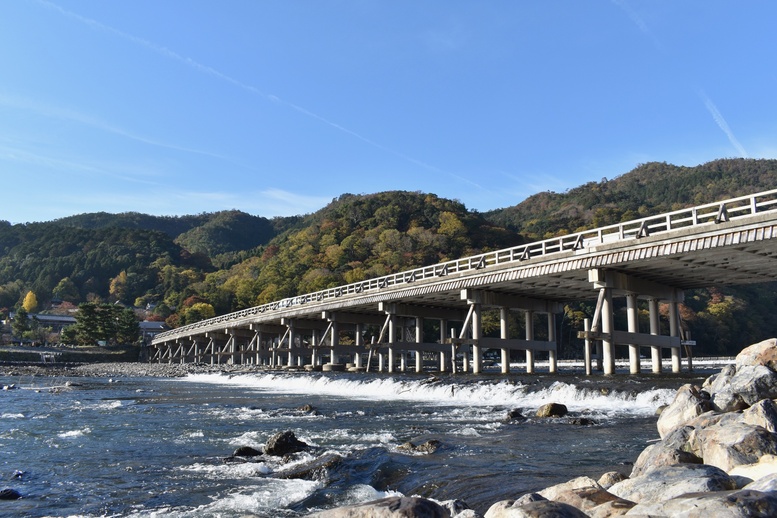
point(638, 21)
point(67, 114)
point(189, 62)
point(722, 124)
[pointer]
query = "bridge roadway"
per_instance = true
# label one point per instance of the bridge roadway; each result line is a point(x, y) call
point(655, 259)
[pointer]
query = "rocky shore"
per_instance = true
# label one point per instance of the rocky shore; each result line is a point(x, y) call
point(717, 456)
point(123, 369)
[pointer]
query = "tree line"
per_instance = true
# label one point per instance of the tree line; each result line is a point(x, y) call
point(184, 269)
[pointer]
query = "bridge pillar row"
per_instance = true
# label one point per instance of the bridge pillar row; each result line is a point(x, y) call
point(392, 338)
point(359, 342)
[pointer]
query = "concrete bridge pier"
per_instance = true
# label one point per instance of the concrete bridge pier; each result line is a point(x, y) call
point(504, 334)
point(608, 326)
point(359, 342)
point(392, 340)
point(674, 330)
point(419, 338)
point(655, 330)
point(444, 357)
point(529, 319)
point(552, 358)
point(632, 316)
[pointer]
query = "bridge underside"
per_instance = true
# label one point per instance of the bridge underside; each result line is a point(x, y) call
point(656, 266)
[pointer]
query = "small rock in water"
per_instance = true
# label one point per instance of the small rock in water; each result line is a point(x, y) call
point(514, 415)
point(246, 451)
point(284, 443)
point(552, 410)
point(9, 494)
point(427, 447)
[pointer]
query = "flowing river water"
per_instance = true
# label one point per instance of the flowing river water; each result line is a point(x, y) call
point(144, 446)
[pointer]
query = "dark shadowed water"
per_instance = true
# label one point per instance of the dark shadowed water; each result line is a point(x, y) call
point(156, 447)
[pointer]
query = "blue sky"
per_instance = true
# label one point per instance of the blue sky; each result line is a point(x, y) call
point(275, 107)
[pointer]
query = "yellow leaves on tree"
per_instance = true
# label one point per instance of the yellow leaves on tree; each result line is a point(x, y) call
point(30, 303)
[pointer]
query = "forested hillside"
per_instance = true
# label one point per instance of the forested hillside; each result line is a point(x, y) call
point(649, 189)
point(191, 267)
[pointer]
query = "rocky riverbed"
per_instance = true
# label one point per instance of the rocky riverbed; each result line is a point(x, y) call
point(123, 369)
point(717, 457)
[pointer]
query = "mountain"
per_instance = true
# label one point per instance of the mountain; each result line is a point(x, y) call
point(188, 267)
point(650, 188)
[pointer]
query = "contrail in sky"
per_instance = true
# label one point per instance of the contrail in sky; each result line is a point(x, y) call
point(164, 51)
point(722, 124)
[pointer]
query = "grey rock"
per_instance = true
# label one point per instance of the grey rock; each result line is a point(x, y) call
point(763, 353)
point(552, 410)
point(721, 504)
point(766, 484)
point(674, 449)
point(424, 448)
point(540, 509)
point(688, 403)
point(391, 507)
point(9, 494)
point(284, 443)
point(728, 444)
point(313, 470)
point(748, 385)
point(670, 481)
point(611, 478)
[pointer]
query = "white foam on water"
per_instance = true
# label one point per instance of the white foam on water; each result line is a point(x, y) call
point(266, 497)
point(12, 416)
point(242, 470)
point(431, 391)
point(74, 433)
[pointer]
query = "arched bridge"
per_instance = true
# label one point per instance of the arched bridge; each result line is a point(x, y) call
point(655, 259)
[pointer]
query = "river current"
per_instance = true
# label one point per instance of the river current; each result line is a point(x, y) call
point(153, 447)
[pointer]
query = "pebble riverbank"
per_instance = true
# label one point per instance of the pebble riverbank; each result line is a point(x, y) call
point(123, 369)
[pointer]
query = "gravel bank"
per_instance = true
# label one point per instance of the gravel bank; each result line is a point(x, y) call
point(123, 369)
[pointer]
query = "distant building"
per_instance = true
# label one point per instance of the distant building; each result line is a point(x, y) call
point(56, 322)
point(149, 329)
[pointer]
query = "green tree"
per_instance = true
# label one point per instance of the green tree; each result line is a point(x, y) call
point(66, 290)
point(127, 327)
point(21, 323)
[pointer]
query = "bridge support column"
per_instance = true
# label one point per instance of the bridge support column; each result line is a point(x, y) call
point(334, 341)
point(419, 338)
point(632, 316)
point(392, 338)
point(477, 332)
point(587, 347)
point(443, 338)
point(504, 334)
point(655, 329)
point(292, 343)
point(359, 342)
point(608, 326)
point(674, 330)
point(314, 341)
point(552, 361)
point(529, 318)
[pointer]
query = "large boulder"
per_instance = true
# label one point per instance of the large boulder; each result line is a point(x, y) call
point(391, 507)
point(763, 413)
point(586, 494)
point(767, 483)
point(727, 504)
point(746, 474)
point(284, 443)
point(730, 443)
point(670, 481)
point(763, 353)
point(536, 509)
point(674, 449)
point(689, 402)
point(748, 385)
